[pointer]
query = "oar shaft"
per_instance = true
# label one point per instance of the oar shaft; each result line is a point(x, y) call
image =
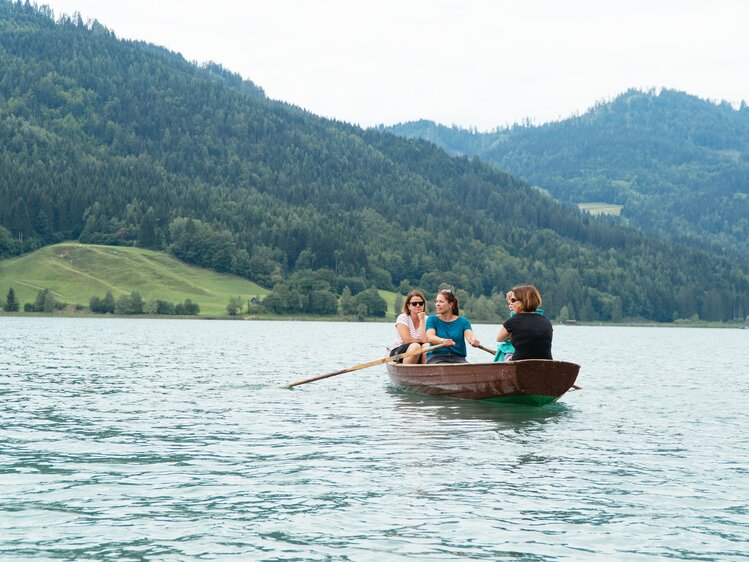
point(387, 359)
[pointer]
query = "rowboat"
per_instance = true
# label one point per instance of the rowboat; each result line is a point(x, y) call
point(531, 381)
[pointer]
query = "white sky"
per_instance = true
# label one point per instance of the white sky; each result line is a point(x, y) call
point(473, 63)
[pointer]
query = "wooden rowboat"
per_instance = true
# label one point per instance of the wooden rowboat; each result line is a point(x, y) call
point(530, 381)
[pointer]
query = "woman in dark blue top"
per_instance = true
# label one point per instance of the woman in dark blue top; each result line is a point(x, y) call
point(529, 332)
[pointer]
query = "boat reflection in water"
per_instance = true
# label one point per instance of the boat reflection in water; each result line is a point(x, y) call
point(449, 409)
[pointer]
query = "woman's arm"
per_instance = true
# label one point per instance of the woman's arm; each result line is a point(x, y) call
point(422, 327)
point(405, 333)
point(503, 334)
point(434, 339)
point(470, 338)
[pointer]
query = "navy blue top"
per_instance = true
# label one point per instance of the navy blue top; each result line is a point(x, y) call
point(450, 331)
point(531, 336)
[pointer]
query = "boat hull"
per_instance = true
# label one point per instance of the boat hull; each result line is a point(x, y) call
point(532, 381)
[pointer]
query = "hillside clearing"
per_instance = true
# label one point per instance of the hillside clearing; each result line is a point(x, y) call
point(75, 272)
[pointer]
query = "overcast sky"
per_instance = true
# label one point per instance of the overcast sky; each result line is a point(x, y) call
point(473, 63)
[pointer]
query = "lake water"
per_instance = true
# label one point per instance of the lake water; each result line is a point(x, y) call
point(173, 440)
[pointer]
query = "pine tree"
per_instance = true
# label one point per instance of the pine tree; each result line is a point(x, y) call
point(108, 304)
point(347, 301)
point(11, 301)
point(147, 237)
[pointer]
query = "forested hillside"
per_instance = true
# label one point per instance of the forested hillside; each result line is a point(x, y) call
point(679, 165)
point(122, 142)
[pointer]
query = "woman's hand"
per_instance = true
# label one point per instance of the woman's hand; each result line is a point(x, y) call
point(448, 342)
point(475, 343)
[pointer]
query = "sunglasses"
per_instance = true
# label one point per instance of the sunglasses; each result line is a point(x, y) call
point(514, 300)
point(417, 303)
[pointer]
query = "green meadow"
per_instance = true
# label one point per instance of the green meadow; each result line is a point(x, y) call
point(390, 297)
point(76, 272)
point(601, 208)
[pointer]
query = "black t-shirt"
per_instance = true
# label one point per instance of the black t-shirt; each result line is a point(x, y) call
point(530, 334)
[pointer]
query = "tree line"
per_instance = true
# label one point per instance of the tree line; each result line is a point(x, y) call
point(302, 296)
point(128, 304)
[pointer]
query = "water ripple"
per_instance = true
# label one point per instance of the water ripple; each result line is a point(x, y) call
point(169, 440)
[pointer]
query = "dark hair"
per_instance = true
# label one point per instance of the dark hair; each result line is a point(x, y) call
point(529, 296)
point(409, 296)
point(452, 299)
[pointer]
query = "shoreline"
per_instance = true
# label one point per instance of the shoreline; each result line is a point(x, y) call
point(739, 325)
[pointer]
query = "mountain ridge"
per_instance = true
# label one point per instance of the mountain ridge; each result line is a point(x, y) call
point(678, 164)
point(114, 142)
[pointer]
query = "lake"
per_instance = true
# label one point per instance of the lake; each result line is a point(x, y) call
point(134, 439)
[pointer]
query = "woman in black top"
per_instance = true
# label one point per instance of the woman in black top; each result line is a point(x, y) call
point(529, 332)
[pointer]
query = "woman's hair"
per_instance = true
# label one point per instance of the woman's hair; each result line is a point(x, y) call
point(452, 299)
point(409, 296)
point(529, 296)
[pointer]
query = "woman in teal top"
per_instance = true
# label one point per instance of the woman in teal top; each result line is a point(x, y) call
point(450, 328)
point(505, 348)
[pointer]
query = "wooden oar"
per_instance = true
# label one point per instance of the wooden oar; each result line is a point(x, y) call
point(494, 352)
point(387, 359)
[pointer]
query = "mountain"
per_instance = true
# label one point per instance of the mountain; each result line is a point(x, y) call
point(678, 165)
point(121, 142)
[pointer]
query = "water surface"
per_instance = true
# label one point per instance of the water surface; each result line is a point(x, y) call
point(173, 440)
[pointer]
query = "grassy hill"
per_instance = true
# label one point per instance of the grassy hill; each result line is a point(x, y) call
point(390, 297)
point(75, 272)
